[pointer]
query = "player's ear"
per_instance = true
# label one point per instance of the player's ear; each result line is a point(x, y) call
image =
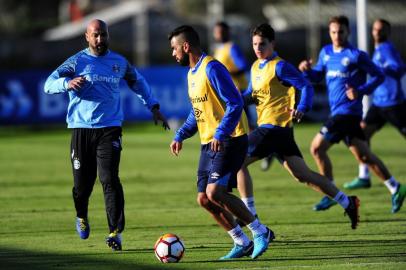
point(87, 36)
point(186, 47)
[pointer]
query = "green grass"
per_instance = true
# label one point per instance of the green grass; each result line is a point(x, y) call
point(37, 214)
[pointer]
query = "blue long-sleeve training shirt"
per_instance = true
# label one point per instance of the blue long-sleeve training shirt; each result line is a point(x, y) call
point(97, 104)
point(388, 93)
point(221, 82)
point(346, 67)
point(239, 58)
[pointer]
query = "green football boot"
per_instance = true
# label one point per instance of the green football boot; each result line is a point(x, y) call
point(358, 183)
point(398, 198)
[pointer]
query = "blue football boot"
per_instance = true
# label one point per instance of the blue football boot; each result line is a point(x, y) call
point(324, 204)
point(239, 251)
point(398, 198)
point(114, 240)
point(261, 243)
point(82, 227)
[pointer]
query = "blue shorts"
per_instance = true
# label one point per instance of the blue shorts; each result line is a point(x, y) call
point(221, 167)
point(279, 141)
point(342, 127)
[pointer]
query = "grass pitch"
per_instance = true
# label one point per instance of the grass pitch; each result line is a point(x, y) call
point(37, 213)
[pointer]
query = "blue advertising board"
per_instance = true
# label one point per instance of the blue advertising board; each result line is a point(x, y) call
point(23, 101)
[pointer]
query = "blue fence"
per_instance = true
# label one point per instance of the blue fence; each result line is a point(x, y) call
point(23, 101)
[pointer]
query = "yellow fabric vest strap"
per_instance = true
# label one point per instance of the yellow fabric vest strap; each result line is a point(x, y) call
point(208, 106)
point(223, 55)
point(274, 99)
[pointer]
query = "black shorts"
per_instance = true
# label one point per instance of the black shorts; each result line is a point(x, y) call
point(342, 127)
point(266, 141)
point(221, 167)
point(396, 115)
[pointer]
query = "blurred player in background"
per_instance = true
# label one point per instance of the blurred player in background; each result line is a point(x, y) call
point(388, 101)
point(345, 69)
point(91, 78)
point(272, 88)
point(217, 113)
point(230, 55)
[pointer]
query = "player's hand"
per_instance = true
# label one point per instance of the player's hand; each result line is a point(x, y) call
point(157, 115)
point(77, 83)
point(216, 145)
point(351, 92)
point(175, 147)
point(296, 115)
point(305, 65)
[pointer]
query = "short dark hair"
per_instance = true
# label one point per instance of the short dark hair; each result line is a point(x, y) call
point(223, 24)
point(341, 20)
point(189, 34)
point(385, 23)
point(264, 30)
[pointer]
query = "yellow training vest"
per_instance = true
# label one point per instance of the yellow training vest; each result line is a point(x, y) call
point(209, 108)
point(274, 99)
point(223, 55)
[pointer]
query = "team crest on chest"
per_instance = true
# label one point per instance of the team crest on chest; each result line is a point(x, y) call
point(345, 61)
point(116, 68)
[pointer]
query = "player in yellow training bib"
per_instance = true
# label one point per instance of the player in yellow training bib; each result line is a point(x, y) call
point(272, 88)
point(217, 115)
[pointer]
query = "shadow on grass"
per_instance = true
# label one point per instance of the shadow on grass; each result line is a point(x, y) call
point(16, 259)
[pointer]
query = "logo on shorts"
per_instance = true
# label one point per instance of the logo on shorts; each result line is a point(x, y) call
point(76, 163)
point(324, 130)
point(116, 144)
point(215, 175)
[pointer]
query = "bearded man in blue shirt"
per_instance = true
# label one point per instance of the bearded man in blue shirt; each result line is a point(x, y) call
point(345, 68)
point(92, 79)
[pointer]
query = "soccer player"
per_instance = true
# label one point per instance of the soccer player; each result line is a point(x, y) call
point(388, 101)
point(217, 114)
point(345, 69)
point(91, 78)
point(272, 88)
point(230, 55)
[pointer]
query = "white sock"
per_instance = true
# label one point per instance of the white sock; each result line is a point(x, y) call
point(392, 185)
point(342, 199)
point(363, 171)
point(250, 204)
point(238, 236)
point(256, 227)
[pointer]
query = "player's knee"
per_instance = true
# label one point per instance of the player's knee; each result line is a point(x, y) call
point(214, 195)
point(203, 201)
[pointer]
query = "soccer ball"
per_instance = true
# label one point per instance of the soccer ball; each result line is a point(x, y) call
point(169, 248)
